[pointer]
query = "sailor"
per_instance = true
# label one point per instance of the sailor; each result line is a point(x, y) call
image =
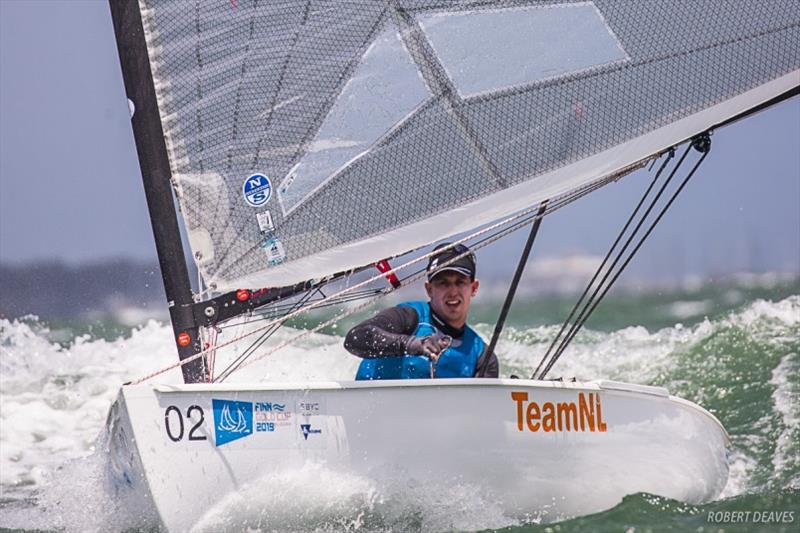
point(427, 339)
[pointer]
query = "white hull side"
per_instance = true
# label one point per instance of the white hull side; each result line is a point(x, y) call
point(441, 429)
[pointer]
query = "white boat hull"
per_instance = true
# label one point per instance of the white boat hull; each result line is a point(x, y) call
point(569, 448)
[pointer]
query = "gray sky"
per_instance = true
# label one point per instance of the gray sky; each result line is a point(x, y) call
point(70, 188)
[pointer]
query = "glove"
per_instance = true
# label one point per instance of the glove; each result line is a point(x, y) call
point(431, 346)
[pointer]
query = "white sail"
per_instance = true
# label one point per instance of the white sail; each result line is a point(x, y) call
point(312, 137)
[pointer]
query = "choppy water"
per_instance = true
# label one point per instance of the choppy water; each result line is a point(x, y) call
point(734, 349)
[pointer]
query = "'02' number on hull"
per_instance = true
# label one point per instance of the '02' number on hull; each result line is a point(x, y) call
point(175, 426)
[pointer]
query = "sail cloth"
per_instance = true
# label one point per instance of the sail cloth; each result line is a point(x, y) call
point(311, 137)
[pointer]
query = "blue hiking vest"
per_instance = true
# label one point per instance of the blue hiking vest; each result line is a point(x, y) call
point(458, 361)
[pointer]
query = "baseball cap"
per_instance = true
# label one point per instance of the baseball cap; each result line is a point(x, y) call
point(465, 265)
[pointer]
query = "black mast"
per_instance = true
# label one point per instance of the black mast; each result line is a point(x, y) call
point(156, 175)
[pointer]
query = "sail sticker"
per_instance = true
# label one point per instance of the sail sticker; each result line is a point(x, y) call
point(233, 420)
point(271, 415)
point(307, 430)
point(274, 249)
point(288, 180)
point(265, 222)
point(257, 190)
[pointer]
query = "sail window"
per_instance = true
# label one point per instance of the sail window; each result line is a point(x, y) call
point(484, 51)
point(385, 89)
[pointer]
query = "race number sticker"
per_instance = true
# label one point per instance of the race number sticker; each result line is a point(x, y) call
point(257, 190)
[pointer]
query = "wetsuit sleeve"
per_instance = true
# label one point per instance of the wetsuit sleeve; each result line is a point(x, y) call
point(383, 335)
point(487, 366)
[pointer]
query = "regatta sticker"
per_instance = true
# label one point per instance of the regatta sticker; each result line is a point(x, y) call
point(308, 430)
point(257, 190)
point(265, 222)
point(271, 415)
point(584, 415)
point(232, 420)
point(274, 250)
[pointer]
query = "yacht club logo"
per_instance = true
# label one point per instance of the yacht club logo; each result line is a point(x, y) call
point(232, 420)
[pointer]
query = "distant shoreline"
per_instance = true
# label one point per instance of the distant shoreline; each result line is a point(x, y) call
point(133, 288)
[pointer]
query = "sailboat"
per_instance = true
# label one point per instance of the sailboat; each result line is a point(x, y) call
point(307, 142)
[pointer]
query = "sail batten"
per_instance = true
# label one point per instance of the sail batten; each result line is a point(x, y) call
point(312, 137)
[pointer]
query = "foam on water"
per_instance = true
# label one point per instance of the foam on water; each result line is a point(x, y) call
point(316, 498)
point(786, 399)
point(54, 400)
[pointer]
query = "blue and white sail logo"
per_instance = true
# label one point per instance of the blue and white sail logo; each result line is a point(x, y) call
point(257, 190)
point(232, 420)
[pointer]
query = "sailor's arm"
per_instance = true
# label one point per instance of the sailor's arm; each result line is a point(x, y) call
point(387, 333)
point(487, 365)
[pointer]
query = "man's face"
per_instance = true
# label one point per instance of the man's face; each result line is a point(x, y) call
point(450, 294)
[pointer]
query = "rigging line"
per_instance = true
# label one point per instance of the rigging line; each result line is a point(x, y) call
point(484, 242)
point(701, 143)
point(327, 302)
point(247, 352)
point(281, 309)
point(420, 274)
point(552, 207)
point(523, 261)
point(212, 356)
point(605, 260)
point(202, 353)
point(619, 255)
point(263, 338)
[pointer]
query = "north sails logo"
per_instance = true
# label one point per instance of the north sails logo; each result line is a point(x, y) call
point(232, 420)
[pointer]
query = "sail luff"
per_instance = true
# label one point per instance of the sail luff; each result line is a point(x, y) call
point(156, 176)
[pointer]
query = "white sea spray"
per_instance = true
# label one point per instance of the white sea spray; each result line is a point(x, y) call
point(316, 497)
point(786, 399)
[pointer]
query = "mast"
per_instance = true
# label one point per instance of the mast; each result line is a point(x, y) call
point(156, 176)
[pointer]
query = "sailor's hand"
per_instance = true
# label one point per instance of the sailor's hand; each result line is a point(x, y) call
point(431, 346)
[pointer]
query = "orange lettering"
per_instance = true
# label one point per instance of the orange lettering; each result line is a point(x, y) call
point(519, 397)
point(601, 426)
point(548, 417)
point(533, 414)
point(584, 415)
point(586, 411)
point(567, 408)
